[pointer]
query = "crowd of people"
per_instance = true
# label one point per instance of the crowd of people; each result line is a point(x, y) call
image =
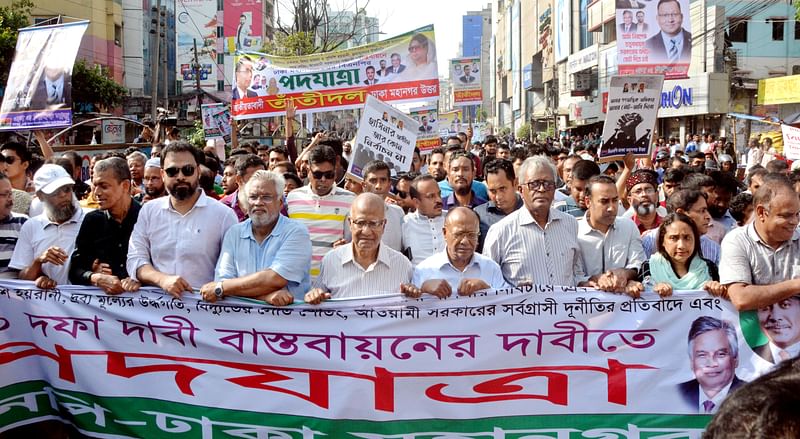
point(290, 225)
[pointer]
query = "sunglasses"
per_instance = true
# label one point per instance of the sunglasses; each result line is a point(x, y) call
point(187, 171)
point(403, 194)
point(328, 175)
point(9, 159)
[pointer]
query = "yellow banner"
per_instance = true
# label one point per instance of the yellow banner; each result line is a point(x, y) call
point(783, 90)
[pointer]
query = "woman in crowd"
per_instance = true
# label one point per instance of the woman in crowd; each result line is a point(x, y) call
point(677, 263)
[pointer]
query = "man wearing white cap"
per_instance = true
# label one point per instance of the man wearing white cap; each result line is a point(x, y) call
point(153, 183)
point(46, 241)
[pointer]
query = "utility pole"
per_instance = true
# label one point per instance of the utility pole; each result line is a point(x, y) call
point(196, 69)
point(164, 56)
point(154, 52)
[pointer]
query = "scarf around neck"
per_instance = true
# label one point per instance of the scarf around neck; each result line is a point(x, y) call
point(661, 271)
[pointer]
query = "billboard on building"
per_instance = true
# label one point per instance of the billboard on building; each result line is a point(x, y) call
point(562, 38)
point(465, 75)
point(472, 30)
point(243, 25)
point(39, 89)
point(196, 26)
point(546, 42)
point(782, 90)
point(654, 38)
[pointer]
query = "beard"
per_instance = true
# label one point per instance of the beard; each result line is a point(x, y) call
point(644, 209)
point(183, 190)
point(62, 214)
point(263, 219)
point(716, 212)
point(154, 192)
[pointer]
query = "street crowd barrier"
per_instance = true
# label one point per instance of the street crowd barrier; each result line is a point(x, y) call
point(540, 361)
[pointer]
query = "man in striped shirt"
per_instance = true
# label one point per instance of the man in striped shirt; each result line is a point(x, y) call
point(365, 267)
point(321, 206)
point(10, 224)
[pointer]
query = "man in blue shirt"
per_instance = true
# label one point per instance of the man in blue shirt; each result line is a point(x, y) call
point(268, 256)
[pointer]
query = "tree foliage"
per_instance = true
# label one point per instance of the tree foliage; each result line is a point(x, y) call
point(301, 43)
point(93, 86)
point(12, 18)
point(320, 25)
point(524, 131)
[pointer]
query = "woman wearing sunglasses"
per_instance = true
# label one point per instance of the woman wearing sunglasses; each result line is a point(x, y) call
point(677, 263)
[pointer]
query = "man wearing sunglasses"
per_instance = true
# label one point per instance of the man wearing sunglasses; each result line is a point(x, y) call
point(321, 205)
point(537, 244)
point(46, 241)
point(176, 241)
point(364, 267)
point(16, 158)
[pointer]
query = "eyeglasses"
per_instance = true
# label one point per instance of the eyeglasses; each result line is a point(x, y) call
point(265, 198)
point(546, 185)
point(645, 191)
point(403, 194)
point(61, 191)
point(9, 159)
point(364, 224)
point(470, 236)
point(328, 175)
point(187, 171)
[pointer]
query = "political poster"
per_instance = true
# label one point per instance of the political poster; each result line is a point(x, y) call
point(399, 69)
point(451, 122)
point(244, 24)
point(791, 142)
point(113, 131)
point(562, 35)
point(530, 362)
point(654, 38)
point(38, 93)
point(196, 25)
point(216, 121)
point(632, 109)
point(386, 134)
point(465, 75)
point(428, 133)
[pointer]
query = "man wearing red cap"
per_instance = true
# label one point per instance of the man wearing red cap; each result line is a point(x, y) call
point(643, 197)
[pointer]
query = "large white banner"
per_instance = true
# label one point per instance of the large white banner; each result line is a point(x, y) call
point(539, 361)
point(791, 142)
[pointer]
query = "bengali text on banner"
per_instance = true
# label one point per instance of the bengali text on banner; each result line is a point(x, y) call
point(465, 75)
point(399, 69)
point(511, 363)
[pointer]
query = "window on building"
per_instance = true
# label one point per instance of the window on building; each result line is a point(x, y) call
point(220, 85)
point(778, 25)
point(118, 35)
point(797, 30)
point(737, 29)
point(220, 31)
point(220, 58)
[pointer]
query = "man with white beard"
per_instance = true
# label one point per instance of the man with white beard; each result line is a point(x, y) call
point(46, 241)
point(642, 192)
point(267, 256)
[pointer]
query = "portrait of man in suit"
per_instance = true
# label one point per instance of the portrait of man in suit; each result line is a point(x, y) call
point(713, 356)
point(673, 44)
point(467, 77)
point(424, 127)
point(244, 76)
point(243, 32)
point(397, 66)
point(371, 79)
point(641, 26)
point(780, 322)
point(54, 89)
point(627, 23)
point(383, 71)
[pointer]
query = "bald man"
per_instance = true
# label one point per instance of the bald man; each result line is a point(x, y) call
point(458, 269)
point(365, 267)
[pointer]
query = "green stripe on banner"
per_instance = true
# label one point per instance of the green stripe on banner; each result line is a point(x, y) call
point(29, 402)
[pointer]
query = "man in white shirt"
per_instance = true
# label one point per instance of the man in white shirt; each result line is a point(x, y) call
point(46, 241)
point(780, 322)
point(364, 267)
point(177, 239)
point(458, 269)
point(422, 229)
point(714, 356)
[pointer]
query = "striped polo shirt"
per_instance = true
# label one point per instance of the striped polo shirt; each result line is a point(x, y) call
point(323, 216)
point(9, 233)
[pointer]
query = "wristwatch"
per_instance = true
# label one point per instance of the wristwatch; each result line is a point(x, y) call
point(218, 290)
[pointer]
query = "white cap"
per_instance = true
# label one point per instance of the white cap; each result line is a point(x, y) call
point(50, 178)
point(154, 162)
point(795, 165)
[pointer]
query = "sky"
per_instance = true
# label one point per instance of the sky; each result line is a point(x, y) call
point(401, 16)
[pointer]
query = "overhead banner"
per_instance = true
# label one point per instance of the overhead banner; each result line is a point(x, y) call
point(465, 75)
point(428, 132)
point(530, 362)
point(196, 26)
point(791, 142)
point(216, 121)
point(38, 94)
point(244, 24)
point(386, 134)
point(633, 103)
point(654, 38)
point(400, 69)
